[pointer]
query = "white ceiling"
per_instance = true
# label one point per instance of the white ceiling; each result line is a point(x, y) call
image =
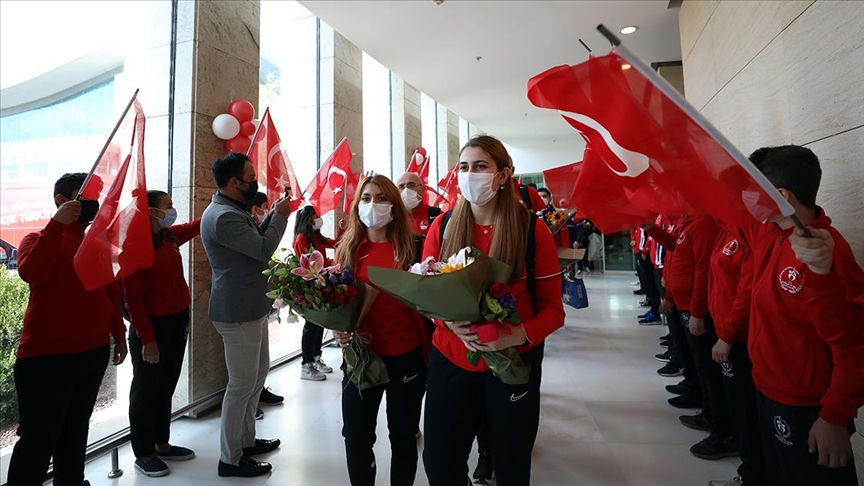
point(434, 48)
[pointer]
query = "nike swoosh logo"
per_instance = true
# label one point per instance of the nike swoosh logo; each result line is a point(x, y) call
point(407, 378)
point(516, 398)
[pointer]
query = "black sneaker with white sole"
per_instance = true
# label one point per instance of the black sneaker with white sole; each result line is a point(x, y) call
point(485, 471)
point(670, 370)
point(695, 422)
point(663, 357)
point(689, 400)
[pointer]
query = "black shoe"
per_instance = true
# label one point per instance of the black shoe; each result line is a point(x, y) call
point(713, 448)
point(695, 422)
point(248, 468)
point(670, 370)
point(269, 398)
point(664, 344)
point(665, 338)
point(678, 389)
point(663, 357)
point(638, 292)
point(259, 414)
point(85, 483)
point(262, 446)
point(686, 401)
point(485, 471)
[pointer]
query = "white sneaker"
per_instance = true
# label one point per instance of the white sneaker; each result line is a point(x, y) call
point(736, 481)
point(309, 372)
point(321, 366)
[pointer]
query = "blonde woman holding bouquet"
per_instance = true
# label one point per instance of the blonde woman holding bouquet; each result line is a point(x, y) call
point(459, 394)
point(380, 235)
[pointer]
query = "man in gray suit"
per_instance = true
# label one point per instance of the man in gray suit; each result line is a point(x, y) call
point(238, 254)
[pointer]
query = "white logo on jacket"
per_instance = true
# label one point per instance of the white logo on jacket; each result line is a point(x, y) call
point(783, 430)
point(680, 238)
point(726, 369)
point(790, 280)
point(731, 248)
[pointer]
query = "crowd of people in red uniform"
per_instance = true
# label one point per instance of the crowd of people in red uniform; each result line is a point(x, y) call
point(766, 325)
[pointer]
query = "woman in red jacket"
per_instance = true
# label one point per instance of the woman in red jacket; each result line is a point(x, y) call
point(489, 217)
point(308, 238)
point(157, 299)
point(380, 235)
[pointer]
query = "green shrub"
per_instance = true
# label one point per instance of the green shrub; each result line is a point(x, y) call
point(13, 302)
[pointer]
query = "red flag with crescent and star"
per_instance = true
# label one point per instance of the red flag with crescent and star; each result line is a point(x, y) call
point(419, 165)
point(271, 161)
point(325, 191)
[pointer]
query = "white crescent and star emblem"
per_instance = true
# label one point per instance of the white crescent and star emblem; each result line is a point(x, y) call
point(337, 188)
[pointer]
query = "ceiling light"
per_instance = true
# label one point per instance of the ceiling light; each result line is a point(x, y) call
point(629, 29)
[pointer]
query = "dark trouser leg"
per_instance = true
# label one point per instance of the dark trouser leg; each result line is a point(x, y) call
point(651, 291)
point(404, 401)
point(360, 418)
point(641, 273)
point(72, 442)
point(310, 343)
point(680, 349)
point(142, 397)
point(658, 282)
point(785, 430)
point(513, 413)
point(710, 381)
point(172, 338)
point(454, 401)
point(741, 400)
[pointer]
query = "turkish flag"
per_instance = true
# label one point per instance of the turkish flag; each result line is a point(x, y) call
point(270, 159)
point(352, 182)
point(419, 165)
point(560, 181)
point(119, 241)
point(668, 157)
point(450, 185)
point(325, 190)
point(600, 197)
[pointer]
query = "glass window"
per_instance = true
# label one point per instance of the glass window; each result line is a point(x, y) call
point(377, 121)
point(429, 136)
point(59, 100)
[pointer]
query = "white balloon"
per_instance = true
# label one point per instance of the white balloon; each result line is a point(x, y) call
point(418, 157)
point(226, 126)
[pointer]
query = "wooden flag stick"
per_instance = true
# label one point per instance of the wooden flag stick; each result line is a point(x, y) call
point(108, 142)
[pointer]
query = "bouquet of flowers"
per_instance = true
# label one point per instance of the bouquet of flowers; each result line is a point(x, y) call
point(467, 287)
point(555, 219)
point(330, 297)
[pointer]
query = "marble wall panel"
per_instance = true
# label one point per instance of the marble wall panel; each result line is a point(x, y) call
point(232, 28)
point(221, 78)
point(692, 19)
point(700, 82)
point(824, 62)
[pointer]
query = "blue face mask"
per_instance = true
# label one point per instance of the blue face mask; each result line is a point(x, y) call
point(169, 219)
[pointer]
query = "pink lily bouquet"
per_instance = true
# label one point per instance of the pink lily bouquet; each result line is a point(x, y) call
point(332, 298)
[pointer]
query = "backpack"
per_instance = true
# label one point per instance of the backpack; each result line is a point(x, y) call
point(525, 195)
point(530, 250)
point(419, 240)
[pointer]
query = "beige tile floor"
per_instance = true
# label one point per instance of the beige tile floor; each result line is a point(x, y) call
point(605, 420)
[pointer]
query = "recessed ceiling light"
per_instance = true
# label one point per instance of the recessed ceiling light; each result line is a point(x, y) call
point(629, 29)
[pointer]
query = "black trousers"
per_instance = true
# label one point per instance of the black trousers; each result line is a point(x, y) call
point(646, 269)
point(405, 391)
point(710, 380)
point(56, 395)
point(456, 401)
point(679, 348)
point(785, 430)
point(741, 401)
point(153, 384)
point(658, 282)
point(310, 342)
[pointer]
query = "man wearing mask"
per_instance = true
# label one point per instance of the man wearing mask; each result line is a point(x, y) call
point(65, 345)
point(238, 253)
point(413, 193)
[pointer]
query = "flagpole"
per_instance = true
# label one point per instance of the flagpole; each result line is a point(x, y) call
point(110, 137)
point(667, 89)
point(257, 129)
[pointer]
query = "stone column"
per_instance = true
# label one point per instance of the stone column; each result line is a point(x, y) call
point(407, 134)
point(448, 138)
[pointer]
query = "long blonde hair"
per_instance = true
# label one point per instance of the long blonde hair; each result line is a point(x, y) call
point(510, 221)
point(399, 230)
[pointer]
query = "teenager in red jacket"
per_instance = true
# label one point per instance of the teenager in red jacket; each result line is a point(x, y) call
point(158, 300)
point(808, 359)
point(379, 235)
point(459, 393)
point(729, 296)
point(65, 345)
point(308, 238)
point(687, 287)
point(413, 194)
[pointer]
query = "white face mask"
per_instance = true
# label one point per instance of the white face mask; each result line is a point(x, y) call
point(169, 219)
point(317, 223)
point(410, 198)
point(375, 215)
point(476, 187)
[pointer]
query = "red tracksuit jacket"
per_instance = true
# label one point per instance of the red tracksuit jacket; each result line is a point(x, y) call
point(729, 288)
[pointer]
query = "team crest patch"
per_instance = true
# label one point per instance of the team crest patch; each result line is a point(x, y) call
point(680, 238)
point(782, 430)
point(424, 225)
point(790, 280)
point(726, 369)
point(731, 248)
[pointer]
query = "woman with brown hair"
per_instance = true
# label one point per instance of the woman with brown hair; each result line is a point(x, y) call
point(379, 235)
point(489, 217)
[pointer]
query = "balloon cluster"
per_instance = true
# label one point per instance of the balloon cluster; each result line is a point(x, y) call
point(237, 126)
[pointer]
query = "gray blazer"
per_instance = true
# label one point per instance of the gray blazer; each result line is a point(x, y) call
point(238, 254)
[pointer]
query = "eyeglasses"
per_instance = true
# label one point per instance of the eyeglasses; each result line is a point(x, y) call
point(410, 185)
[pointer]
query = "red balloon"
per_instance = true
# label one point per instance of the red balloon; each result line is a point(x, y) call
point(242, 110)
point(240, 144)
point(247, 128)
